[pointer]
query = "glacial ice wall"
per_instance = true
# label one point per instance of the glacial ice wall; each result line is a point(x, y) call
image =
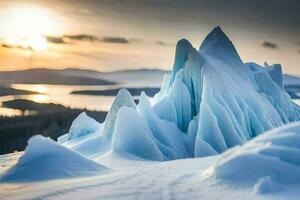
point(210, 102)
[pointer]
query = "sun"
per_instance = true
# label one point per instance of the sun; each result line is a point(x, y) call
point(27, 26)
point(37, 43)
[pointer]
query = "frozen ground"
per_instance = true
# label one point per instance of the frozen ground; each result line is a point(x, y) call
point(132, 179)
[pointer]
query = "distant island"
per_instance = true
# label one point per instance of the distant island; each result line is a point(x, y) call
point(7, 91)
point(113, 92)
point(24, 104)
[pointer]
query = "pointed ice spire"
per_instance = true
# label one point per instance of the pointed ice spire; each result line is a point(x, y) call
point(218, 45)
point(122, 99)
point(183, 47)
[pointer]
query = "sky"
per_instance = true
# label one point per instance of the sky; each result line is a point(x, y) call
point(110, 35)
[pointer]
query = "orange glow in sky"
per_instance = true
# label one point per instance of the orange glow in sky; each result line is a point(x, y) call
point(108, 36)
point(26, 26)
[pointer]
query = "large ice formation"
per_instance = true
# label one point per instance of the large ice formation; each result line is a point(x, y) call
point(210, 102)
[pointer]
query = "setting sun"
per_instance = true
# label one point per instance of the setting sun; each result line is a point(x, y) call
point(26, 27)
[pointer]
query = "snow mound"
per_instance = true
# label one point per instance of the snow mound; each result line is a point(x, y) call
point(271, 158)
point(81, 126)
point(45, 159)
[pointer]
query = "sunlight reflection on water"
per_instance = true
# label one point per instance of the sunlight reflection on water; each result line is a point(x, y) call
point(10, 112)
point(61, 94)
point(39, 98)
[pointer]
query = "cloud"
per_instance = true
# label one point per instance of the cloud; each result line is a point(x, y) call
point(9, 46)
point(115, 40)
point(64, 39)
point(71, 40)
point(93, 38)
point(67, 39)
point(55, 40)
point(6, 45)
point(82, 37)
point(269, 45)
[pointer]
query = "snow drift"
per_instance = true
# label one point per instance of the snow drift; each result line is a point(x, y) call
point(210, 102)
point(267, 160)
point(45, 159)
point(81, 126)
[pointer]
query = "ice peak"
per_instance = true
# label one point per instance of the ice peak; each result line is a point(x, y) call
point(217, 44)
point(218, 31)
point(183, 43)
point(123, 98)
point(216, 36)
point(183, 48)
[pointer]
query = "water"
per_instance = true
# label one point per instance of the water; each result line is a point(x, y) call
point(61, 94)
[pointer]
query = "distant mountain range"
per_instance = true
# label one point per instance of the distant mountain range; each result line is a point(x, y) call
point(48, 76)
point(74, 76)
point(131, 78)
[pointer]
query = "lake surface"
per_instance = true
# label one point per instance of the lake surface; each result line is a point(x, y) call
point(60, 94)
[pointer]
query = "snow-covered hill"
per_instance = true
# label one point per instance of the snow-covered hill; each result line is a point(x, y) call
point(211, 104)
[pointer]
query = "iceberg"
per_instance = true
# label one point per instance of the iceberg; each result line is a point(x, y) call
point(211, 101)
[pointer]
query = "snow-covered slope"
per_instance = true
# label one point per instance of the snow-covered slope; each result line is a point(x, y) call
point(268, 162)
point(211, 102)
point(274, 174)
